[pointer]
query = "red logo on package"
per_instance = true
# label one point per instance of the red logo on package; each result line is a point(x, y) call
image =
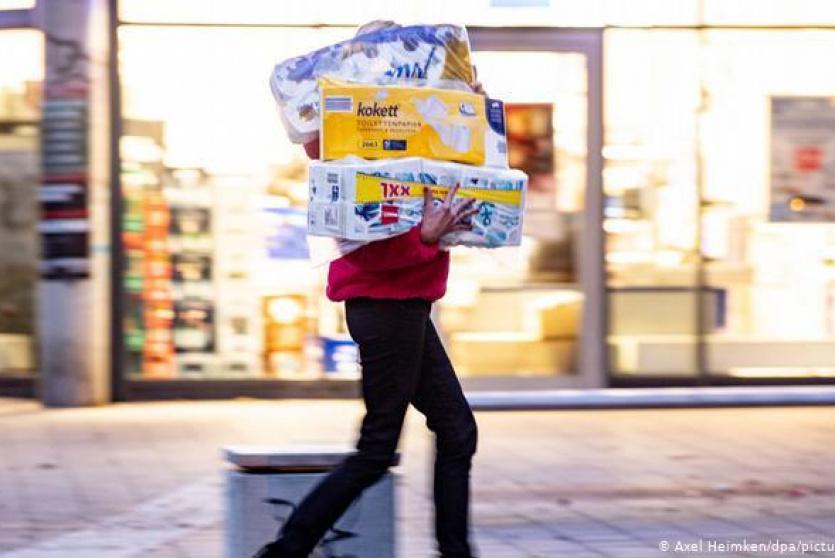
point(394, 190)
point(808, 158)
point(389, 214)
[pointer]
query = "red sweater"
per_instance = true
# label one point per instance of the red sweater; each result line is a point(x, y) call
point(398, 267)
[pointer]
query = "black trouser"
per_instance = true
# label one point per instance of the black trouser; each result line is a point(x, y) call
point(403, 362)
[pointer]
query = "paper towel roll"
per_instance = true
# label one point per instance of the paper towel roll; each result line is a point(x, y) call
point(436, 55)
point(370, 207)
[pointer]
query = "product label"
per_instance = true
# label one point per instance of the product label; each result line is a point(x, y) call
point(389, 214)
point(495, 115)
point(376, 189)
point(376, 122)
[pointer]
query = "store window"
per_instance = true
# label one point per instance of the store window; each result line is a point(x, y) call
point(768, 237)
point(219, 282)
point(516, 311)
point(651, 202)
point(21, 77)
point(720, 242)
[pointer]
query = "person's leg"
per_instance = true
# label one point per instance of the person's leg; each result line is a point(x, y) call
point(448, 415)
point(390, 335)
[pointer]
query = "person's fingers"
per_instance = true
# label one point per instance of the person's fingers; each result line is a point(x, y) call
point(476, 85)
point(466, 214)
point(464, 205)
point(461, 227)
point(427, 198)
point(451, 194)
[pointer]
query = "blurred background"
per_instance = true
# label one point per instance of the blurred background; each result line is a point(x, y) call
point(678, 231)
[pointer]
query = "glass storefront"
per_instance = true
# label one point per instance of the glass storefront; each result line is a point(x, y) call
point(218, 279)
point(719, 160)
point(719, 244)
point(651, 200)
point(21, 77)
point(517, 312)
point(218, 283)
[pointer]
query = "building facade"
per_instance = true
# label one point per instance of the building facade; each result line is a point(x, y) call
point(678, 231)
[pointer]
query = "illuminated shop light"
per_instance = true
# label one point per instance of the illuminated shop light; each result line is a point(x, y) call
point(285, 311)
point(16, 4)
point(797, 204)
point(782, 372)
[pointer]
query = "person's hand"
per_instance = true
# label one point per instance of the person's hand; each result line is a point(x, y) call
point(476, 85)
point(445, 217)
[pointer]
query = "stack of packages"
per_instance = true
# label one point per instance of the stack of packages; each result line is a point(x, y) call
point(395, 115)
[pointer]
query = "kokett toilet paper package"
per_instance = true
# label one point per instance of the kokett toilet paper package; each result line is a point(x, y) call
point(437, 55)
point(376, 122)
point(371, 200)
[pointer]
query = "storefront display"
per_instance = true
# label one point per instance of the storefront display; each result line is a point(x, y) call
point(285, 332)
point(237, 288)
point(530, 135)
point(497, 304)
point(194, 246)
point(704, 278)
point(221, 284)
point(21, 78)
point(802, 159)
point(149, 316)
point(716, 199)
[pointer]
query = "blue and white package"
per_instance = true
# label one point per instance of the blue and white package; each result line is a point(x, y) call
point(434, 55)
point(495, 139)
point(365, 201)
point(339, 208)
point(500, 195)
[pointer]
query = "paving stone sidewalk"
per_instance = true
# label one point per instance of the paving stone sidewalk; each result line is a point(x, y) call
point(145, 479)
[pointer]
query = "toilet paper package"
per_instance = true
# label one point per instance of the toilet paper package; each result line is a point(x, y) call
point(326, 218)
point(500, 196)
point(376, 122)
point(348, 198)
point(437, 55)
point(500, 202)
point(370, 200)
point(336, 180)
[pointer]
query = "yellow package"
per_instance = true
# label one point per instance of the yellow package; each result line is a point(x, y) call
point(377, 122)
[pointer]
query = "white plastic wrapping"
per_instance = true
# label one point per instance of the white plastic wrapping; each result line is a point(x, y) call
point(358, 201)
point(438, 55)
point(394, 121)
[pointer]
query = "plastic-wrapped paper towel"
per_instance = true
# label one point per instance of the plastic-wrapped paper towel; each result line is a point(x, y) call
point(347, 198)
point(501, 204)
point(437, 55)
point(376, 121)
point(365, 201)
